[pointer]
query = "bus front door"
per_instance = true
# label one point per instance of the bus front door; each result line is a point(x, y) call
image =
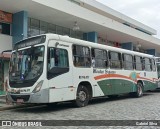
point(59, 72)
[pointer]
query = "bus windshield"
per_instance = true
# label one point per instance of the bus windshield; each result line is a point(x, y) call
point(26, 65)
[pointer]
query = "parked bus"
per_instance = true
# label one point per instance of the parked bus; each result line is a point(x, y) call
point(52, 68)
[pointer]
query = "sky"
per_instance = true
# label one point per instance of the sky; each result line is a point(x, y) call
point(144, 11)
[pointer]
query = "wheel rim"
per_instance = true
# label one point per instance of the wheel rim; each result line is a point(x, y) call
point(82, 96)
point(139, 89)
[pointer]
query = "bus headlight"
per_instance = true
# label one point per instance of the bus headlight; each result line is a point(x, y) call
point(38, 87)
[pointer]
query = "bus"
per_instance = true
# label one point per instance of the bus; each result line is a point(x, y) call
point(52, 68)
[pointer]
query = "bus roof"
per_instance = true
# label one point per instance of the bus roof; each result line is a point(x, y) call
point(86, 43)
point(95, 45)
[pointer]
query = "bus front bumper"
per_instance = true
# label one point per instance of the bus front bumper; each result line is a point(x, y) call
point(39, 97)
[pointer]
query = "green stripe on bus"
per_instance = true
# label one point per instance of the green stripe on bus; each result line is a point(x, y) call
point(150, 86)
point(116, 86)
point(120, 86)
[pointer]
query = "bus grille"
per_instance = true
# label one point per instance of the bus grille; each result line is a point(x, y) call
point(24, 97)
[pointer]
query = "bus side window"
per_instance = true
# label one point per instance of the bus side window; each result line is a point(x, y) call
point(81, 56)
point(51, 62)
point(143, 63)
point(147, 64)
point(93, 58)
point(99, 58)
point(93, 62)
point(58, 62)
point(76, 61)
point(115, 60)
point(153, 65)
point(57, 58)
point(128, 62)
point(138, 63)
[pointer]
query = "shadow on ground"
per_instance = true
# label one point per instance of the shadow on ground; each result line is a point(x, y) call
point(70, 105)
point(154, 91)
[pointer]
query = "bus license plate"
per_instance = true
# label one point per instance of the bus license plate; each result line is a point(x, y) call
point(20, 100)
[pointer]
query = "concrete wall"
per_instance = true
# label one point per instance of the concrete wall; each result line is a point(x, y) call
point(5, 42)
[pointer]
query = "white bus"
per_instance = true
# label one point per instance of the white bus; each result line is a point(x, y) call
point(52, 68)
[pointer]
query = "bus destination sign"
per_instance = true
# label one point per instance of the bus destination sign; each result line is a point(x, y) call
point(30, 42)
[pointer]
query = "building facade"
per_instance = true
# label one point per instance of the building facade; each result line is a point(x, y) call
point(94, 22)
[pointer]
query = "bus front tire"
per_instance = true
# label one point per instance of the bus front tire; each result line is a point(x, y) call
point(82, 97)
point(139, 92)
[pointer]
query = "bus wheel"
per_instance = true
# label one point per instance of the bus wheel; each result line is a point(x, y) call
point(139, 92)
point(82, 97)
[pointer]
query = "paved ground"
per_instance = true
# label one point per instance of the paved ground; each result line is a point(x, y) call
point(8, 105)
point(3, 102)
point(123, 108)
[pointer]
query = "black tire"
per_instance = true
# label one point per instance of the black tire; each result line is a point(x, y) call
point(139, 92)
point(82, 96)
